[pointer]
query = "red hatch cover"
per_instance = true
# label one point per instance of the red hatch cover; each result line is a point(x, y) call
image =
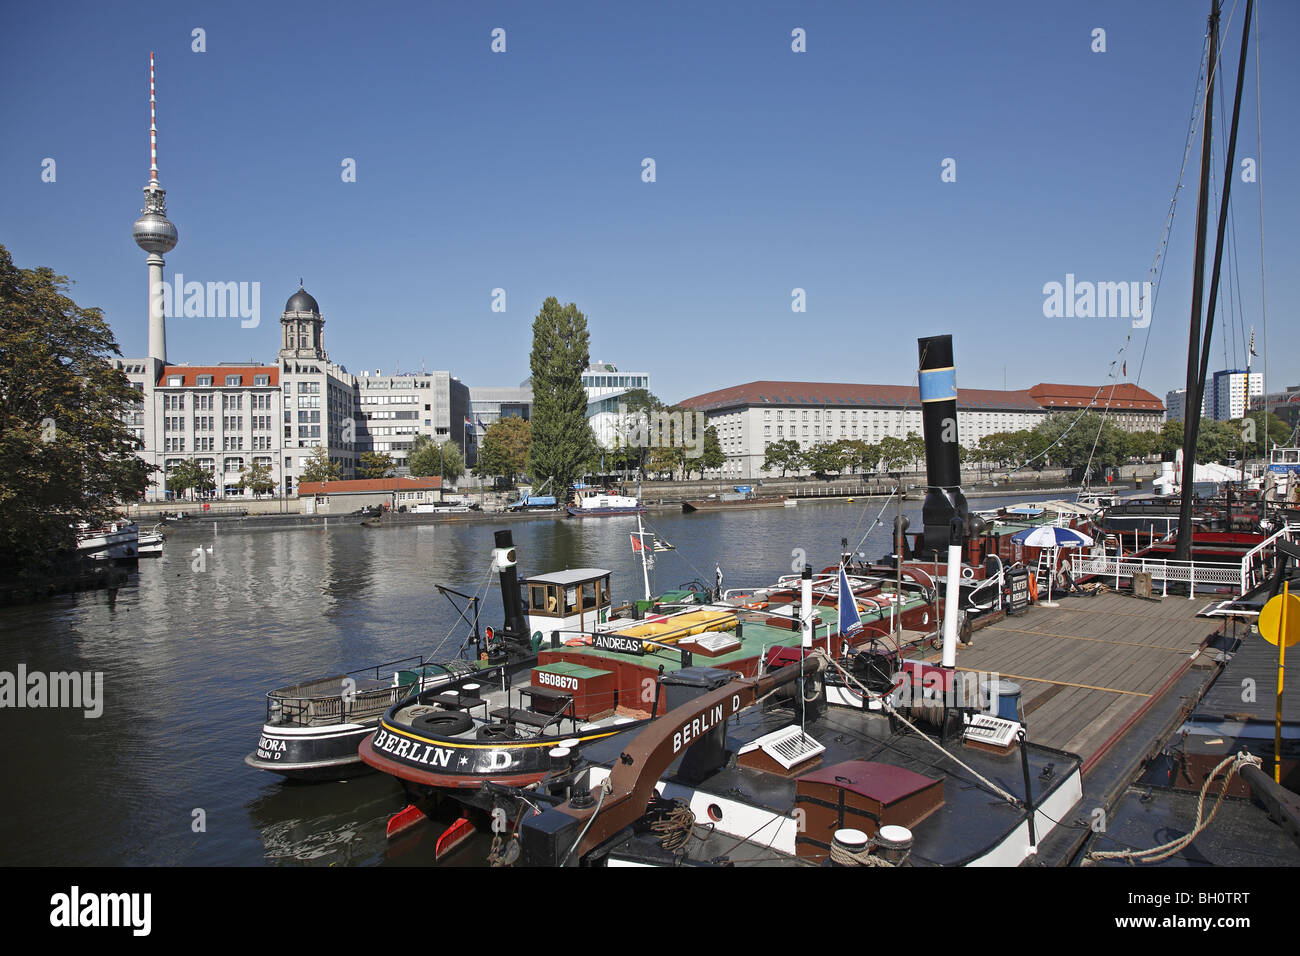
point(879, 782)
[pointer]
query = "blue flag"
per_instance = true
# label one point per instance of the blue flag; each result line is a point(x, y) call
point(850, 620)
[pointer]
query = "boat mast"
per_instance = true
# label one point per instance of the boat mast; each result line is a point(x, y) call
point(1218, 256)
point(640, 537)
point(1192, 407)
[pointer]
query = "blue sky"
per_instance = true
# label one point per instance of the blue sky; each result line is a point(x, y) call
point(775, 170)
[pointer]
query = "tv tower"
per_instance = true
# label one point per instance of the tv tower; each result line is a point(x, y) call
point(154, 233)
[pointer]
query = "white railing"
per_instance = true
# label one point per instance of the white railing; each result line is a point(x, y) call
point(1260, 562)
point(1164, 570)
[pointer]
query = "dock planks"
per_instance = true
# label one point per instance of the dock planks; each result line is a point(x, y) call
point(1087, 666)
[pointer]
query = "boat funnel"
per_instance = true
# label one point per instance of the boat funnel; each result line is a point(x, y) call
point(944, 511)
point(505, 560)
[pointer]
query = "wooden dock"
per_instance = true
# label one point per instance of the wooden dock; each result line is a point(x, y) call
point(1087, 667)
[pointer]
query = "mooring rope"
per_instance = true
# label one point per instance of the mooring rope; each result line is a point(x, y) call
point(1166, 850)
point(864, 857)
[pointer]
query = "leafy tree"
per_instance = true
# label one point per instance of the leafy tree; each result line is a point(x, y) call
point(377, 464)
point(1278, 432)
point(631, 447)
point(784, 454)
point(453, 462)
point(1215, 440)
point(894, 452)
point(662, 460)
point(182, 477)
point(319, 467)
point(429, 458)
point(425, 460)
point(824, 457)
point(562, 441)
point(505, 448)
point(1143, 445)
point(204, 480)
point(711, 457)
point(915, 446)
point(1171, 439)
point(1076, 441)
point(257, 478)
point(66, 454)
point(860, 456)
point(1005, 449)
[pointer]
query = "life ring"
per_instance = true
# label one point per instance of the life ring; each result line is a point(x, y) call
point(1033, 588)
point(443, 723)
point(968, 573)
point(756, 606)
point(497, 731)
point(552, 604)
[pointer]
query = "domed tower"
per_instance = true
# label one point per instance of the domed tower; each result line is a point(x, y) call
point(154, 233)
point(302, 330)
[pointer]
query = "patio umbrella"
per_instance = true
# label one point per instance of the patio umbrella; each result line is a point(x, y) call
point(1052, 536)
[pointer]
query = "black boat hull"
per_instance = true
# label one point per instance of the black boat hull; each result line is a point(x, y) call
point(312, 754)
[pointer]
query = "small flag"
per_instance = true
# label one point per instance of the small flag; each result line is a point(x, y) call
point(850, 619)
point(637, 543)
point(468, 421)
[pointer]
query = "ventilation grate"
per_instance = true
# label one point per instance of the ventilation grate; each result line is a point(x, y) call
point(987, 729)
point(788, 746)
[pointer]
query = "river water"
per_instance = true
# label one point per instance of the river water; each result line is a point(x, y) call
point(188, 652)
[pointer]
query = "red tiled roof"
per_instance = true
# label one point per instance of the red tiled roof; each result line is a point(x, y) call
point(842, 395)
point(191, 373)
point(1123, 396)
point(368, 486)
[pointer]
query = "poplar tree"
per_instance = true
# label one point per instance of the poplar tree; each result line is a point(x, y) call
point(561, 440)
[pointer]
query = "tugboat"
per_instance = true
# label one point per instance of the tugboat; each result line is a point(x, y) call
point(569, 669)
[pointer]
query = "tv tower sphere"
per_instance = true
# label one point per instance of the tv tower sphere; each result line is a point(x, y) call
point(154, 232)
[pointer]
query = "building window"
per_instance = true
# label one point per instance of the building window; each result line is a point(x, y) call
point(204, 381)
point(261, 380)
point(175, 381)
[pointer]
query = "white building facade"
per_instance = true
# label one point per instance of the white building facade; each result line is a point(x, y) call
point(1232, 391)
point(750, 417)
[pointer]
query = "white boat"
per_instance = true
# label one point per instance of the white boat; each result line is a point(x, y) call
point(591, 503)
point(151, 542)
point(117, 541)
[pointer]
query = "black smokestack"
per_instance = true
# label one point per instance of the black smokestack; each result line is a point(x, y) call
point(516, 627)
point(944, 511)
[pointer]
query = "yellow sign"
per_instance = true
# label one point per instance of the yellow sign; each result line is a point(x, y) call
point(1270, 619)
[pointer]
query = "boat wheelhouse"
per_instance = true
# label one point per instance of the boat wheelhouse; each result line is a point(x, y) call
point(567, 601)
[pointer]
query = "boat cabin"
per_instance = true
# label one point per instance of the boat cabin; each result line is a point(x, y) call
point(573, 600)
